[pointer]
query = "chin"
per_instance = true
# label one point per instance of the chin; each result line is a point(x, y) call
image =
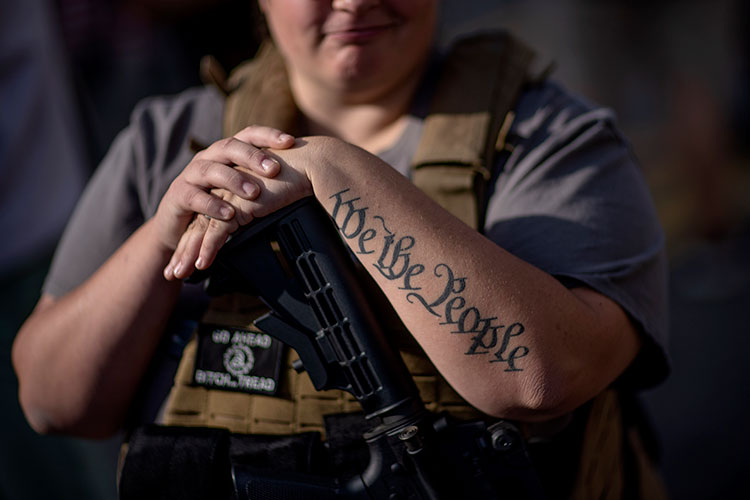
point(355, 67)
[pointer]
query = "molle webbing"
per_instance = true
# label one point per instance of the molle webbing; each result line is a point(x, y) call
point(464, 132)
point(469, 118)
point(466, 126)
point(298, 406)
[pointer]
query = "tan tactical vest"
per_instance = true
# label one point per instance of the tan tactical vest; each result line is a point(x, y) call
point(464, 131)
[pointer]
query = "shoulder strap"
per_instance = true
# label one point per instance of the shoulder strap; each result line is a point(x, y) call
point(470, 114)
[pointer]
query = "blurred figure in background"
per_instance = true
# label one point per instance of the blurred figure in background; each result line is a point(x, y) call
point(70, 74)
point(42, 171)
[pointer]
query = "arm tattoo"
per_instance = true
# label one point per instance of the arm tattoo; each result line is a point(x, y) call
point(370, 235)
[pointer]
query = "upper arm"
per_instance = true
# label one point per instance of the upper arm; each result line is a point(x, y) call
point(129, 183)
point(105, 216)
point(623, 339)
point(572, 201)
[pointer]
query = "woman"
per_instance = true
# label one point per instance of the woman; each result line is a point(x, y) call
point(569, 274)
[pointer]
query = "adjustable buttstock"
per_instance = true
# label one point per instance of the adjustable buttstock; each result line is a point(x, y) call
point(295, 261)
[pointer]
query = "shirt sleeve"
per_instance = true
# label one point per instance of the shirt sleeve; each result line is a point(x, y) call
point(127, 186)
point(571, 200)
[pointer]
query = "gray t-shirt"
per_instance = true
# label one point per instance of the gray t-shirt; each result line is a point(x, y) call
point(570, 200)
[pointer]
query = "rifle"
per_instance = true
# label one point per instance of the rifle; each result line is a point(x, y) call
point(296, 262)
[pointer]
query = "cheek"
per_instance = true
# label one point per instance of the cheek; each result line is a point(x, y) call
point(414, 9)
point(421, 17)
point(295, 24)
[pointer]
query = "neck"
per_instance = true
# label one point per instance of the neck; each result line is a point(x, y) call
point(370, 121)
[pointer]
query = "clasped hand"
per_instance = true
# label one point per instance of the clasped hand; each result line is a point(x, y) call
point(224, 187)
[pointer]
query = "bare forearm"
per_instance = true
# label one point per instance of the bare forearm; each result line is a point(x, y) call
point(80, 358)
point(507, 336)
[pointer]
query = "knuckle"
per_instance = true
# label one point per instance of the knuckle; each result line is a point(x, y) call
point(254, 156)
point(215, 226)
point(244, 217)
point(200, 224)
point(225, 143)
point(192, 198)
point(200, 155)
point(201, 168)
point(235, 178)
point(204, 203)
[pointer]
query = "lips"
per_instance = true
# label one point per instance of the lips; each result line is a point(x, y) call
point(356, 28)
point(357, 32)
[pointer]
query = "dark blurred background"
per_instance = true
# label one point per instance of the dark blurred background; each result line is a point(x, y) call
point(676, 73)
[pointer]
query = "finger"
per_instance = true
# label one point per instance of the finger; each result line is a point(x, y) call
point(196, 200)
point(243, 208)
point(206, 174)
point(233, 151)
point(174, 259)
point(189, 243)
point(188, 248)
point(268, 137)
point(213, 240)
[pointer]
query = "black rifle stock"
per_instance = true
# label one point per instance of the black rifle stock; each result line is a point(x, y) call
point(295, 261)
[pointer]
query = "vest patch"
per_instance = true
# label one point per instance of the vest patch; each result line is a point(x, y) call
point(233, 359)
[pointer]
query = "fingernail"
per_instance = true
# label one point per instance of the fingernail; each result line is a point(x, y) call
point(285, 137)
point(199, 263)
point(268, 164)
point(177, 270)
point(225, 212)
point(249, 188)
point(168, 272)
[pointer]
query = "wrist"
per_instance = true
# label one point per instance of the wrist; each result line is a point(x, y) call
point(323, 152)
point(154, 236)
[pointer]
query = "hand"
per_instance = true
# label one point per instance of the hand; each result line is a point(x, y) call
point(234, 165)
point(204, 236)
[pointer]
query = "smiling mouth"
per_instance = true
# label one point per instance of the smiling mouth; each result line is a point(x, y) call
point(358, 33)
